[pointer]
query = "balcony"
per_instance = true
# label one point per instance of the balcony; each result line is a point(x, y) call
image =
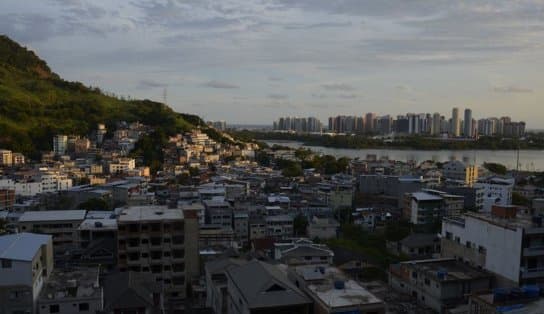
point(534, 251)
point(532, 273)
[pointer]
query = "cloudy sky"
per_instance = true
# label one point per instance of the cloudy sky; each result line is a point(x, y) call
point(250, 61)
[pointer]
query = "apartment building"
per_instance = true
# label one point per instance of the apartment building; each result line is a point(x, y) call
point(153, 239)
point(257, 287)
point(61, 224)
point(496, 191)
point(6, 157)
point(122, 165)
point(439, 284)
point(26, 262)
point(70, 291)
point(332, 292)
point(482, 240)
point(423, 207)
point(279, 226)
point(460, 171)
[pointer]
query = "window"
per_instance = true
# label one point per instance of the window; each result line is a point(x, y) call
point(54, 308)
point(83, 307)
point(457, 239)
point(449, 235)
point(469, 245)
point(6, 263)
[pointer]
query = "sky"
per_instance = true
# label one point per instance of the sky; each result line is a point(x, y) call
point(252, 61)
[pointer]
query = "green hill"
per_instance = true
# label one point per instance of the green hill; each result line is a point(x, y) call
point(35, 104)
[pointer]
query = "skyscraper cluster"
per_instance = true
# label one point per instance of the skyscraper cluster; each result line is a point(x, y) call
point(297, 124)
point(459, 125)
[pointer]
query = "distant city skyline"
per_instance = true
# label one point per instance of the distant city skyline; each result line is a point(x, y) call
point(248, 62)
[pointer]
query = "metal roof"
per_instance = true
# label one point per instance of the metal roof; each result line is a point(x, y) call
point(22, 246)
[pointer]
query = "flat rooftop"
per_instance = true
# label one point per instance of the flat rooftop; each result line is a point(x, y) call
point(449, 269)
point(53, 215)
point(98, 224)
point(520, 221)
point(149, 213)
point(71, 284)
point(321, 283)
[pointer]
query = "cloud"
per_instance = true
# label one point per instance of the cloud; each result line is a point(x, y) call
point(320, 96)
point(146, 83)
point(318, 25)
point(275, 78)
point(338, 87)
point(278, 96)
point(512, 89)
point(348, 96)
point(219, 84)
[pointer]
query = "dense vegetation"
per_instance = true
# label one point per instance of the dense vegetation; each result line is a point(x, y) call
point(36, 104)
point(533, 141)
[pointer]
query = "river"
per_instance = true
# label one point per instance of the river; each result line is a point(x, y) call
point(531, 160)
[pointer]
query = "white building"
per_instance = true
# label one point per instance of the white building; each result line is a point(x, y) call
point(496, 191)
point(505, 242)
point(122, 165)
point(28, 188)
point(53, 181)
point(26, 261)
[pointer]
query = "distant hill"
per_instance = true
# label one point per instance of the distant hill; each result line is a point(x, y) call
point(36, 104)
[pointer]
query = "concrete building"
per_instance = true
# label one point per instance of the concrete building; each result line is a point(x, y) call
point(460, 171)
point(331, 291)
point(60, 144)
point(439, 284)
point(496, 191)
point(260, 288)
point(322, 228)
point(423, 208)
point(61, 224)
point(122, 165)
point(153, 239)
point(455, 123)
point(241, 227)
point(279, 226)
point(216, 283)
point(6, 157)
point(218, 213)
point(416, 246)
point(302, 252)
point(506, 242)
point(436, 127)
point(526, 300)
point(71, 291)
point(26, 262)
point(97, 242)
point(468, 127)
point(133, 292)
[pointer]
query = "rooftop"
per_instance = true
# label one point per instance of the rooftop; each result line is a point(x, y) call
point(446, 269)
point(53, 215)
point(149, 213)
point(423, 196)
point(265, 286)
point(22, 246)
point(98, 224)
point(78, 283)
point(330, 286)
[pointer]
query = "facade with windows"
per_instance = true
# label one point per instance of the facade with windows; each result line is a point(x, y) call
point(26, 262)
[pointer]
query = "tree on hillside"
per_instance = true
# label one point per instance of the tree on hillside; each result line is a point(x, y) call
point(496, 168)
